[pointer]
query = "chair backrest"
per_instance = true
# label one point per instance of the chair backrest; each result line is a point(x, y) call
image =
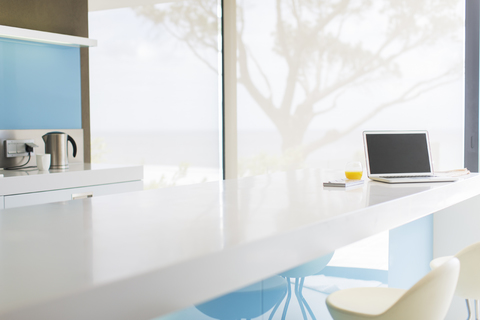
point(468, 286)
point(429, 298)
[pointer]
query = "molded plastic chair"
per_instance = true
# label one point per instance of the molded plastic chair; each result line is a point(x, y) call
point(428, 299)
point(468, 286)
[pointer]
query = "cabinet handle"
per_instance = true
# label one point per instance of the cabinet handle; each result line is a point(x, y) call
point(76, 196)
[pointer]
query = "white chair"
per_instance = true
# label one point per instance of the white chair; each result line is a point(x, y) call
point(468, 286)
point(428, 299)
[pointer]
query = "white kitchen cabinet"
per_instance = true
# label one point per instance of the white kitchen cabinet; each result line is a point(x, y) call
point(20, 188)
point(29, 199)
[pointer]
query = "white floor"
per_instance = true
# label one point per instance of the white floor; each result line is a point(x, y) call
point(369, 253)
point(313, 293)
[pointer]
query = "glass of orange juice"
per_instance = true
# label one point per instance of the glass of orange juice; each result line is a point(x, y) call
point(354, 170)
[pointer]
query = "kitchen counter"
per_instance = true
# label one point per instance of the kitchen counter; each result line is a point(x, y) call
point(145, 254)
point(78, 175)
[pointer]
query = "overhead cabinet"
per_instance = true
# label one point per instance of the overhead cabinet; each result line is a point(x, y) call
point(45, 37)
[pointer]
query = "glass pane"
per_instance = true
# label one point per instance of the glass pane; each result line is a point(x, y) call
point(312, 75)
point(154, 81)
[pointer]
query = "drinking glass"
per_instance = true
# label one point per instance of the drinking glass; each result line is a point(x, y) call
point(354, 170)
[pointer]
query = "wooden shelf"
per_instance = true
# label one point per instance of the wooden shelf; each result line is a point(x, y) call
point(45, 37)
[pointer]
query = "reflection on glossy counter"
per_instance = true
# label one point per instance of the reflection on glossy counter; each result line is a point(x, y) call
point(313, 293)
point(74, 167)
point(381, 192)
point(150, 240)
point(278, 297)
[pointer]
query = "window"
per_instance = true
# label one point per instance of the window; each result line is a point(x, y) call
point(313, 75)
point(155, 90)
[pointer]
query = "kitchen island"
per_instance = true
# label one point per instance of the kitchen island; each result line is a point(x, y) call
point(144, 254)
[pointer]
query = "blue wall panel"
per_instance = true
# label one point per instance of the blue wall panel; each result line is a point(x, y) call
point(40, 86)
point(410, 252)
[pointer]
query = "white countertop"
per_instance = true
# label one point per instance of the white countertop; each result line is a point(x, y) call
point(78, 175)
point(149, 253)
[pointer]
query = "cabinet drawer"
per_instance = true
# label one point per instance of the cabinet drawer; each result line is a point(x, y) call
point(29, 199)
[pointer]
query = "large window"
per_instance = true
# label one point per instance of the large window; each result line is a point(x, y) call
point(312, 75)
point(155, 90)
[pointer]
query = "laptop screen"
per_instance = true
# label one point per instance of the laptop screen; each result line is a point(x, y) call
point(398, 153)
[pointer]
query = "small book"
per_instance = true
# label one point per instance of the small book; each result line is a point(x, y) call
point(343, 183)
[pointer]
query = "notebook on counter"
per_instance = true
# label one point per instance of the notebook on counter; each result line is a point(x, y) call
point(400, 157)
point(343, 183)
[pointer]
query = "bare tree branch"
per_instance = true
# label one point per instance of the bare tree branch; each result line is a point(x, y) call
point(262, 73)
point(333, 106)
point(194, 50)
point(245, 78)
point(411, 94)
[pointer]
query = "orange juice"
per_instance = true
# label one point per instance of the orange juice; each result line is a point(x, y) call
point(353, 175)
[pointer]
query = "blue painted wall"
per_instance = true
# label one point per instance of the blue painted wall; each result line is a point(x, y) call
point(40, 86)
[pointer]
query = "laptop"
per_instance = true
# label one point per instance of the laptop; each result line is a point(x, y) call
point(400, 157)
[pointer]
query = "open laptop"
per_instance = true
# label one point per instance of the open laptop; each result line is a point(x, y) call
point(399, 157)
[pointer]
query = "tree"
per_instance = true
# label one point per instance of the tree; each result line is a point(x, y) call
point(322, 63)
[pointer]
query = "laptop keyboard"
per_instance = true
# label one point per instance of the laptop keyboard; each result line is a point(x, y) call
point(390, 177)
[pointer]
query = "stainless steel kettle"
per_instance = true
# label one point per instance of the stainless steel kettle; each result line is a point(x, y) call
point(56, 145)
